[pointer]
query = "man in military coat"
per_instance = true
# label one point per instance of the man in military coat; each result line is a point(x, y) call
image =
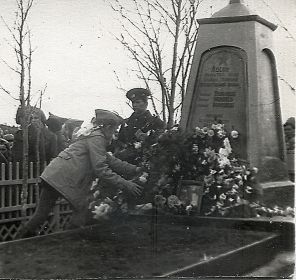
point(140, 126)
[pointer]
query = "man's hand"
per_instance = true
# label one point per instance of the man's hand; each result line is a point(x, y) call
point(134, 188)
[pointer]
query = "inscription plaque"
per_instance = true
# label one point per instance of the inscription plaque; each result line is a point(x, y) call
point(220, 93)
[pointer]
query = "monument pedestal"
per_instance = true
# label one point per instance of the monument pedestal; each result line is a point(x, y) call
point(280, 193)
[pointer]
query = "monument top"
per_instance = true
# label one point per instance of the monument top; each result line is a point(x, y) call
point(234, 8)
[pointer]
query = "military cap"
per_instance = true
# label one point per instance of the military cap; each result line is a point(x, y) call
point(107, 117)
point(138, 93)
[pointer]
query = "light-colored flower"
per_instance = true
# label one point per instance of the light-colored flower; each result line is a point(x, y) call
point(221, 133)
point(211, 133)
point(223, 152)
point(205, 130)
point(222, 196)
point(220, 126)
point(235, 186)
point(234, 134)
point(102, 211)
point(210, 154)
point(255, 169)
point(143, 179)
point(227, 145)
point(137, 145)
point(239, 177)
point(173, 201)
point(223, 161)
point(214, 126)
point(96, 194)
point(188, 209)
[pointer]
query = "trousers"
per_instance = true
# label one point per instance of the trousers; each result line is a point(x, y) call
point(47, 200)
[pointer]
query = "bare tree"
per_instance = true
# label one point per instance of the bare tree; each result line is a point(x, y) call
point(22, 47)
point(160, 36)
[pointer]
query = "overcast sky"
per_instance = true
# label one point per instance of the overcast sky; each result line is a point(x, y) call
point(76, 55)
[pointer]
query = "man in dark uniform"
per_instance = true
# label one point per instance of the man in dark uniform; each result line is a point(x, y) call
point(140, 126)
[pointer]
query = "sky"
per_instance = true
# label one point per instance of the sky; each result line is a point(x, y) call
point(77, 55)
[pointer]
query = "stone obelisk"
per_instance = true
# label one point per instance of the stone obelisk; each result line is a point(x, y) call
point(233, 78)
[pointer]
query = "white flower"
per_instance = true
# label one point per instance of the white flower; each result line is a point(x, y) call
point(96, 193)
point(234, 134)
point(248, 189)
point(235, 186)
point(214, 126)
point(175, 128)
point(211, 133)
point(173, 200)
point(227, 145)
point(220, 126)
point(221, 133)
point(223, 161)
point(223, 152)
point(102, 211)
point(188, 209)
point(222, 196)
point(137, 145)
point(255, 169)
point(143, 179)
point(205, 130)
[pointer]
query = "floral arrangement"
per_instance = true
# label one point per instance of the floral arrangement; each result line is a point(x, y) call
point(206, 156)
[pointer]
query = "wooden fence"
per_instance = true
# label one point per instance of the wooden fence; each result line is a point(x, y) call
point(10, 202)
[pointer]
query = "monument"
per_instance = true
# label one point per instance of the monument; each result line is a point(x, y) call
point(233, 78)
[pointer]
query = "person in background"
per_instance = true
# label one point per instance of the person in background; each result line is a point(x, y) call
point(71, 173)
point(138, 127)
point(5, 155)
point(10, 139)
point(55, 126)
point(69, 129)
point(42, 142)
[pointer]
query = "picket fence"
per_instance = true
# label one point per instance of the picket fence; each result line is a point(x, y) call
point(10, 202)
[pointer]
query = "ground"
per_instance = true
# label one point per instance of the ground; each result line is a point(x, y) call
point(116, 248)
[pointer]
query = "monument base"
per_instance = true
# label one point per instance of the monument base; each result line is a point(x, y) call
point(280, 193)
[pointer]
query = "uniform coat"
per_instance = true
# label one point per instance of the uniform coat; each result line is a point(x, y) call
point(73, 170)
point(144, 122)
